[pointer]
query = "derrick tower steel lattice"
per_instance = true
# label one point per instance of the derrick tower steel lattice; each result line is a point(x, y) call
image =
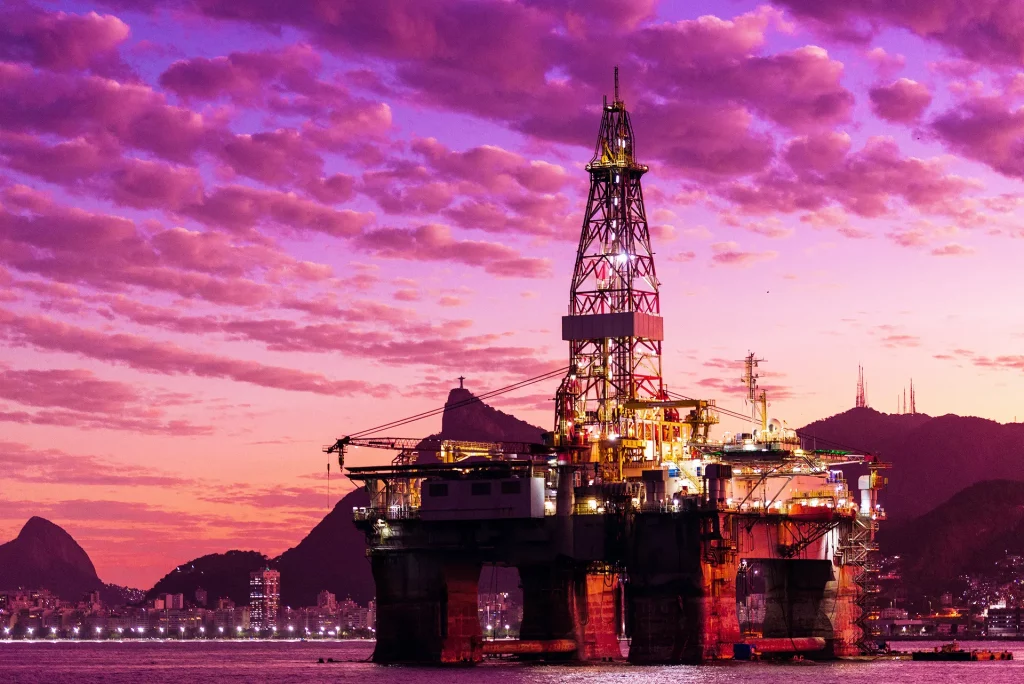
point(614, 327)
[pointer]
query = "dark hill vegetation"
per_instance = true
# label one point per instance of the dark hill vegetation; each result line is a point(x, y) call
point(222, 575)
point(967, 533)
point(933, 458)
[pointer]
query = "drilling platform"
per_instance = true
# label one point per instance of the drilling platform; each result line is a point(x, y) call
point(632, 523)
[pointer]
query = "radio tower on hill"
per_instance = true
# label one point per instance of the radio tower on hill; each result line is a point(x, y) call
point(614, 327)
point(862, 390)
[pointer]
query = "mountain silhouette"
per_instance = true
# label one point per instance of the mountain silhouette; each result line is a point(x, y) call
point(44, 556)
point(933, 458)
point(469, 419)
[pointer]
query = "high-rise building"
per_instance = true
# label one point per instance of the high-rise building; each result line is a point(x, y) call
point(264, 598)
point(325, 600)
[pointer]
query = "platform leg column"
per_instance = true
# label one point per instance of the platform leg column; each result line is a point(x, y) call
point(721, 623)
point(800, 598)
point(847, 612)
point(548, 604)
point(597, 616)
point(461, 614)
point(426, 610)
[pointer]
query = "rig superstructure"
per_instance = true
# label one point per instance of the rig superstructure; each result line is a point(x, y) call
point(612, 408)
point(631, 521)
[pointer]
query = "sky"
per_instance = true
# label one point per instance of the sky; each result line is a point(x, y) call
point(231, 232)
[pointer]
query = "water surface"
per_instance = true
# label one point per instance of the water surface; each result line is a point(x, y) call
point(286, 662)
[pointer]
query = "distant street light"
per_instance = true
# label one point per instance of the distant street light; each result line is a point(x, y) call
point(220, 629)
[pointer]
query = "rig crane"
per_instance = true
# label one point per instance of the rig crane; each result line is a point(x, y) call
point(448, 450)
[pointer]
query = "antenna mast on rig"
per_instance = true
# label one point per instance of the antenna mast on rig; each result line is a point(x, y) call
point(758, 401)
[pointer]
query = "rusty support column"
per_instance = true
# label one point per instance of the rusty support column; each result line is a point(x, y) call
point(598, 616)
point(847, 612)
point(721, 621)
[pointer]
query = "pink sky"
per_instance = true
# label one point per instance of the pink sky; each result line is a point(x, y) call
point(233, 231)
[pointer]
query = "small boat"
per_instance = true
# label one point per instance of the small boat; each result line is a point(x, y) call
point(953, 652)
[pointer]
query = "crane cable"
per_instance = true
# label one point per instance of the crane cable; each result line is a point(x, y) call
point(465, 402)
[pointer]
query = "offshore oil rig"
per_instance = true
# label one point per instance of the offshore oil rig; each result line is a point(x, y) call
point(631, 522)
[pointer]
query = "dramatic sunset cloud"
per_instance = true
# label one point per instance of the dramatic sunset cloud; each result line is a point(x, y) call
point(231, 232)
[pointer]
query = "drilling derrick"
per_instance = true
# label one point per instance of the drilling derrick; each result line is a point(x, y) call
point(607, 408)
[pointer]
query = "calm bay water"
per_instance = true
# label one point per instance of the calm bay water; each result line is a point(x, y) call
point(192, 661)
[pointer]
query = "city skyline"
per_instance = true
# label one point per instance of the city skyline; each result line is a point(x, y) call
point(225, 242)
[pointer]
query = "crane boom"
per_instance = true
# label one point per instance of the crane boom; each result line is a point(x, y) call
point(450, 450)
